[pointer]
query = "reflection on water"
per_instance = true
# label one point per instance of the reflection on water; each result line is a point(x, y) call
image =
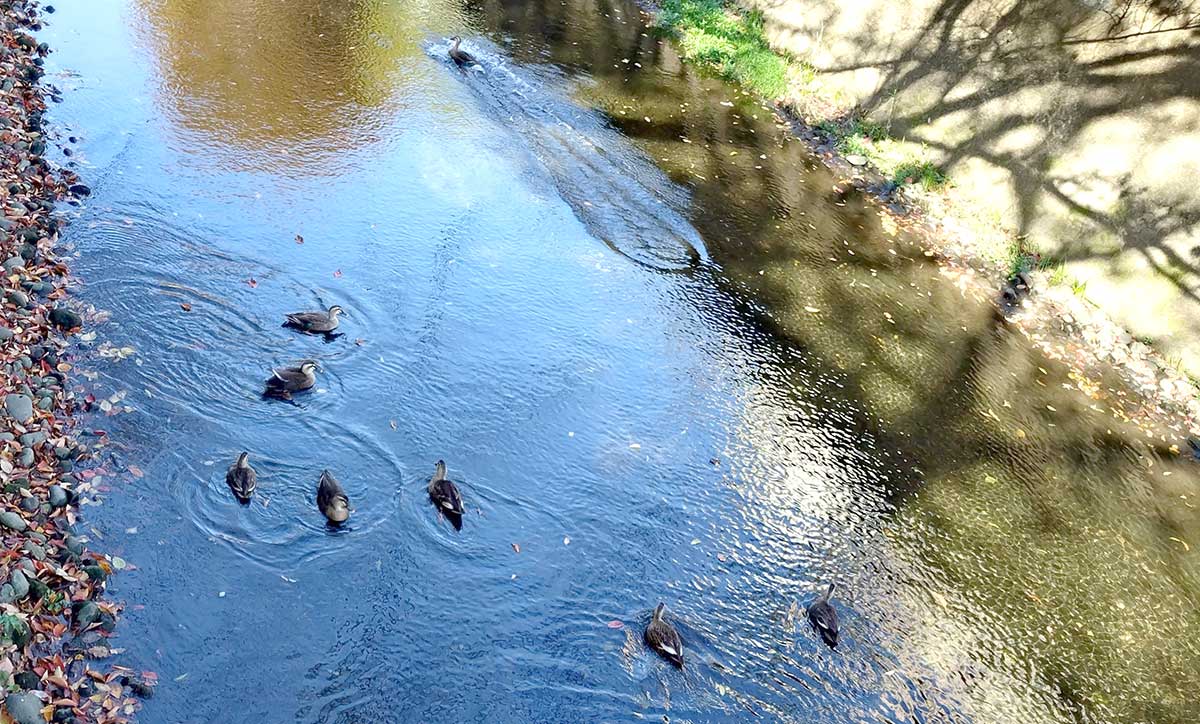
point(812, 400)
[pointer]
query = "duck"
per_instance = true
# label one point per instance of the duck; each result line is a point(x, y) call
point(331, 499)
point(286, 380)
point(242, 479)
point(462, 58)
point(824, 619)
point(314, 322)
point(663, 638)
point(443, 491)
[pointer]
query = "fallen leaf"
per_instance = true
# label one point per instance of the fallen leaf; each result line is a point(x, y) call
point(615, 624)
point(299, 239)
point(566, 540)
point(185, 307)
point(118, 562)
point(337, 273)
point(721, 557)
point(136, 472)
point(392, 423)
point(516, 547)
point(360, 341)
point(252, 282)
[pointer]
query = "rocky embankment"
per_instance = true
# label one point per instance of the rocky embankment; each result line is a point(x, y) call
point(54, 623)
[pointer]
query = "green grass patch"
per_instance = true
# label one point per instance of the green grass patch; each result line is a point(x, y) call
point(924, 173)
point(728, 41)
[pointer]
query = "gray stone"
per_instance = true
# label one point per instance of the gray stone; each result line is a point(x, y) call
point(6, 594)
point(19, 584)
point(24, 708)
point(33, 549)
point(19, 407)
point(75, 545)
point(10, 519)
point(26, 457)
point(58, 499)
point(29, 504)
point(15, 262)
point(856, 159)
point(30, 439)
point(65, 318)
point(18, 297)
point(5, 334)
point(45, 403)
point(87, 614)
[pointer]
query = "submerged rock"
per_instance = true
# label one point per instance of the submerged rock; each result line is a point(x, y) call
point(64, 318)
point(24, 708)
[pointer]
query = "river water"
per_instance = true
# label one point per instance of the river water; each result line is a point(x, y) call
point(666, 357)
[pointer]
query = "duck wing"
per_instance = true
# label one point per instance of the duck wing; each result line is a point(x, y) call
point(445, 493)
point(664, 639)
point(242, 481)
point(310, 321)
point(289, 378)
point(825, 620)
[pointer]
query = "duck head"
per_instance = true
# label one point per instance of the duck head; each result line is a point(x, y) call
point(335, 310)
point(241, 461)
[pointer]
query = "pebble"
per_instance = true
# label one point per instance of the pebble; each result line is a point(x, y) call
point(59, 499)
point(855, 159)
point(65, 318)
point(19, 407)
point(86, 614)
point(30, 439)
point(34, 549)
point(12, 520)
point(24, 708)
point(27, 680)
point(5, 334)
point(19, 584)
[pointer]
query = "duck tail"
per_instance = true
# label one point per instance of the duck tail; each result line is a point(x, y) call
point(439, 471)
point(659, 610)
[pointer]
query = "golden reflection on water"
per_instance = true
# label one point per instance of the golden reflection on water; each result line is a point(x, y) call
point(282, 81)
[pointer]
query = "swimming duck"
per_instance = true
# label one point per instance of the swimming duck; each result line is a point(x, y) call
point(444, 492)
point(461, 58)
point(824, 618)
point(242, 479)
point(331, 499)
point(314, 322)
point(663, 638)
point(286, 380)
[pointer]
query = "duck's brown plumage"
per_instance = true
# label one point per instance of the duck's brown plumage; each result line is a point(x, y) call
point(242, 479)
point(824, 618)
point(663, 638)
point(286, 380)
point(461, 58)
point(331, 499)
point(444, 492)
point(315, 322)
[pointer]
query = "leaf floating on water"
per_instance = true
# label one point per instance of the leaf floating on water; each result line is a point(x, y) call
point(615, 624)
point(635, 446)
point(182, 676)
point(185, 307)
point(299, 239)
point(695, 541)
point(337, 273)
point(135, 471)
point(566, 540)
point(118, 563)
point(289, 580)
point(360, 341)
point(392, 424)
point(516, 547)
point(811, 310)
point(721, 557)
point(252, 282)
